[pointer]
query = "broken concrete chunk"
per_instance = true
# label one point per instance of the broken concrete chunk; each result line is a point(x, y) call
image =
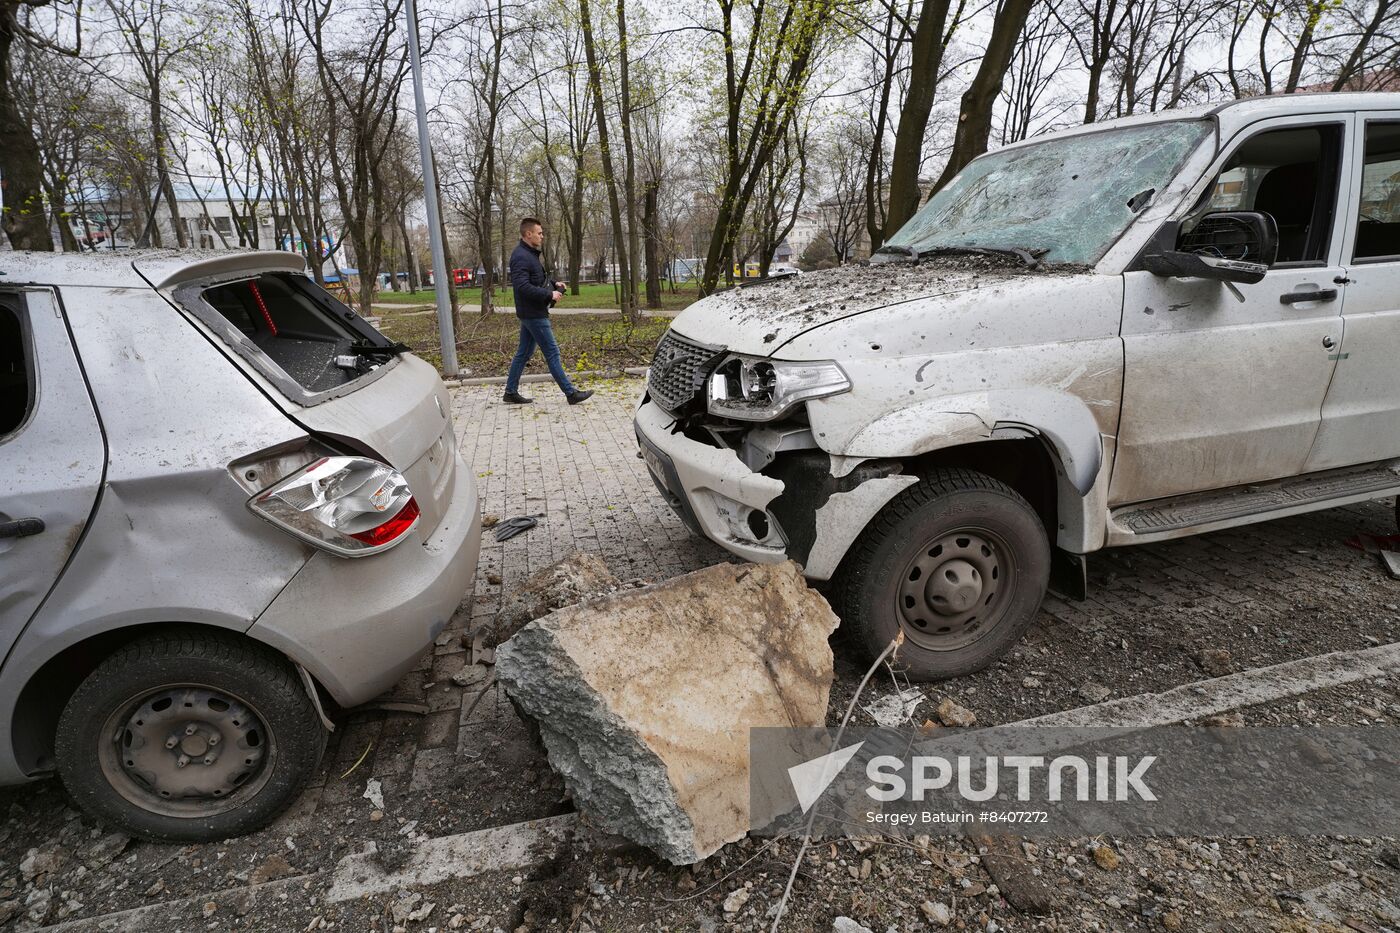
point(105, 849)
point(959, 717)
point(644, 699)
point(45, 860)
point(574, 579)
point(1215, 661)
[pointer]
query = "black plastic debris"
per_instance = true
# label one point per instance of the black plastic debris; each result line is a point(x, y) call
point(513, 526)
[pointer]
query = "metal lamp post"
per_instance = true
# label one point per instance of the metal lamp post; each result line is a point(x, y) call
point(442, 276)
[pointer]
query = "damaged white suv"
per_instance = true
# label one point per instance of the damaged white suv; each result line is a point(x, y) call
point(1118, 334)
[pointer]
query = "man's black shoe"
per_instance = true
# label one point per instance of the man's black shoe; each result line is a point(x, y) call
point(515, 398)
point(580, 395)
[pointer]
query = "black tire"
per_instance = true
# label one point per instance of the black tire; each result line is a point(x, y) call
point(959, 561)
point(240, 709)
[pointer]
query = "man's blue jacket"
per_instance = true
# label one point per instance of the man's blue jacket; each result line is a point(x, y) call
point(533, 289)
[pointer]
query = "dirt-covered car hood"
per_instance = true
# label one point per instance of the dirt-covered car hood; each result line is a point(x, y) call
point(759, 319)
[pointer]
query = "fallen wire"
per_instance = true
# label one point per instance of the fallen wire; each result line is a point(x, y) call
point(835, 744)
point(359, 761)
point(485, 688)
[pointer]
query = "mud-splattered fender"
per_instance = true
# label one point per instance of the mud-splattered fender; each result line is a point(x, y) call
point(1064, 421)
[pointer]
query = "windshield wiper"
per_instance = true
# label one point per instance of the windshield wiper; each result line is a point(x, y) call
point(1030, 257)
point(896, 250)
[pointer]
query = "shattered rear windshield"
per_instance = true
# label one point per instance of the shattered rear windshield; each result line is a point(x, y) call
point(313, 343)
point(1071, 197)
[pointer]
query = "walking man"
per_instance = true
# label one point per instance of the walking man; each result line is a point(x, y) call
point(534, 296)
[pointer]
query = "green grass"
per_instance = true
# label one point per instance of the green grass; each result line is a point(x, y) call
point(590, 296)
point(485, 345)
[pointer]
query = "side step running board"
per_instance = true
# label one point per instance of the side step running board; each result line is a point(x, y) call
point(1239, 505)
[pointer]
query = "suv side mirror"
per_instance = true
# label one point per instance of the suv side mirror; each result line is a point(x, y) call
point(1227, 246)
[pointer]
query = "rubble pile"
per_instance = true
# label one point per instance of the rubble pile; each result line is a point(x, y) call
point(574, 579)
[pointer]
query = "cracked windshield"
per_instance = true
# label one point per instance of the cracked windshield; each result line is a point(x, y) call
point(1070, 198)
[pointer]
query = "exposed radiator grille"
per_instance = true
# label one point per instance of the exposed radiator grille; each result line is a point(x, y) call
point(678, 370)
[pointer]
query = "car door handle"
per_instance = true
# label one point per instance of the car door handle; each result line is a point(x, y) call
point(1320, 294)
point(21, 528)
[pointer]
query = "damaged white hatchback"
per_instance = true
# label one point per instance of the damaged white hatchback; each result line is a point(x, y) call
point(1118, 334)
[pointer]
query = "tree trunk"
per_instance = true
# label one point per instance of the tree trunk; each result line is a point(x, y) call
point(576, 233)
point(975, 117)
point(595, 82)
point(391, 254)
point(163, 170)
point(452, 297)
point(66, 239)
point(652, 231)
point(629, 310)
point(409, 259)
point(1300, 52)
point(927, 57)
point(483, 224)
point(875, 211)
point(1091, 99)
point(24, 221)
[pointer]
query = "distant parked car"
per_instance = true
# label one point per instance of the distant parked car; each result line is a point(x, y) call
point(226, 497)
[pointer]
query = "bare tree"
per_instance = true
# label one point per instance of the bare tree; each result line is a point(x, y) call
point(361, 83)
point(627, 297)
point(24, 220)
point(54, 94)
point(765, 79)
point(155, 35)
point(567, 148)
point(488, 95)
point(291, 122)
point(1028, 101)
point(975, 114)
point(930, 41)
point(780, 193)
point(841, 214)
point(1364, 46)
point(888, 37)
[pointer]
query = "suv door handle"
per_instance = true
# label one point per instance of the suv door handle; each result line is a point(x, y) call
point(1321, 294)
point(21, 528)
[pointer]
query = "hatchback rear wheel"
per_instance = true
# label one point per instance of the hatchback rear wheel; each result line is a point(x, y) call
point(189, 737)
point(959, 563)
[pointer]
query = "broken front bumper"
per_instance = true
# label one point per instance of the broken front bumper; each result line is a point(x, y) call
point(711, 489)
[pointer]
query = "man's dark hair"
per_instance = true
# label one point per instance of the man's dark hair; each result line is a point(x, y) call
point(527, 223)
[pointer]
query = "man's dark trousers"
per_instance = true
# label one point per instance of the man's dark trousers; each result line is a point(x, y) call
point(535, 331)
point(533, 294)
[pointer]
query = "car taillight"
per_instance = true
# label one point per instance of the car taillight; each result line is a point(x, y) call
point(351, 506)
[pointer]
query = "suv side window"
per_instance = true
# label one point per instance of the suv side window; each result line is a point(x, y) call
point(1291, 174)
point(16, 378)
point(1378, 217)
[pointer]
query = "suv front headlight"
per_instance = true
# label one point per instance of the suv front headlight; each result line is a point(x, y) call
point(756, 389)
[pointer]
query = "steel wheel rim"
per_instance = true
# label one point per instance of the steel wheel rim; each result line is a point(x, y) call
point(224, 742)
point(954, 589)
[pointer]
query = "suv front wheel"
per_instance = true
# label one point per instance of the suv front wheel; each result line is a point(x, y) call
point(189, 737)
point(959, 562)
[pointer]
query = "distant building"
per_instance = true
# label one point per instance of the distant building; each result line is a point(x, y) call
point(805, 227)
point(828, 216)
point(101, 219)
